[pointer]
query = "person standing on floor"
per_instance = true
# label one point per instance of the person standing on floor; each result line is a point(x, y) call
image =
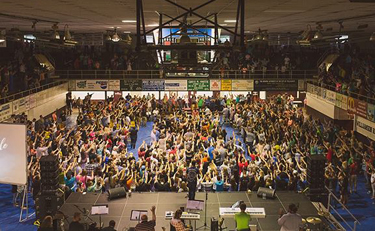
point(192, 180)
point(290, 221)
point(133, 136)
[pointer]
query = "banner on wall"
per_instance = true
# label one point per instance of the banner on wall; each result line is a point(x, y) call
point(114, 85)
point(352, 105)
point(301, 85)
point(198, 85)
point(91, 85)
point(242, 85)
point(330, 96)
point(72, 85)
point(131, 85)
point(365, 127)
point(215, 85)
point(371, 112)
point(361, 108)
point(153, 85)
point(276, 85)
point(20, 105)
point(338, 100)
point(310, 88)
point(6, 111)
point(175, 85)
point(226, 84)
point(32, 101)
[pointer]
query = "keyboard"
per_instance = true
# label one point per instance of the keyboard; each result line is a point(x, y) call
point(254, 212)
point(184, 216)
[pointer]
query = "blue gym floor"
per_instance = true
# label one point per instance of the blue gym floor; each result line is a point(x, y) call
point(359, 204)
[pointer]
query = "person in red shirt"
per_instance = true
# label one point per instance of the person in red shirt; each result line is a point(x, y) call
point(353, 177)
point(242, 164)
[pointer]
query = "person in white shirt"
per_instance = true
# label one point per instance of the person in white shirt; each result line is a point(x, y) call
point(290, 221)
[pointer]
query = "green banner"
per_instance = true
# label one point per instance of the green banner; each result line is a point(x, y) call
point(198, 85)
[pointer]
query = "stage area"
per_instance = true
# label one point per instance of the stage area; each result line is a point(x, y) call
point(120, 209)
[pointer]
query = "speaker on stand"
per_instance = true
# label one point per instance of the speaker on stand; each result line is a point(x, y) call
point(315, 178)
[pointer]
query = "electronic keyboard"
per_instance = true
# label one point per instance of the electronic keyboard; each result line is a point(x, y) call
point(254, 212)
point(184, 216)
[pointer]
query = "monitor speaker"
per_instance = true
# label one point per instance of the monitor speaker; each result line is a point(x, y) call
point(270, 193)
point(116, 193)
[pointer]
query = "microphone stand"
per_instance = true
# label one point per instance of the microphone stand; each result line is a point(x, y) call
point(205, 226)
point(84, 211)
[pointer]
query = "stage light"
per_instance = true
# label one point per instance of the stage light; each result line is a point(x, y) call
point(116, 37)
point(55, 34)
point(372, 37)
point(2, 36)
point(230, 20)
point(67, 35)
point(318, 35)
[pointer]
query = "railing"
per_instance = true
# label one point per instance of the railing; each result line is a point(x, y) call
point(157, 74)
point(325, 54)
point(21, 94)
point(331, 197)
point(350, 94)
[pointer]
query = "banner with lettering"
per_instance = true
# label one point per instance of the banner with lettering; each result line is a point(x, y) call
point(20, 105)
point(361, 108)
point(242, 85)
point(114, 85)
point(226, 84)
point(153, 85)
point(6, 111)
point(352, 105)
point(198, 85)
point(175, 85)
point(365, 127)
point(91, 85)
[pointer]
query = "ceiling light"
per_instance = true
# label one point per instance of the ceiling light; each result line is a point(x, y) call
point(284, 11)
point(372, 38)
point(223, 24)
point(265, 37)
point(129, 21)
point(127, 32)
point(55, 34)
point(67, 35)
point(2, 36)
point(155, 24)
point(108, 37)
point(116, 37)
point(230, 20)
point(318, 35)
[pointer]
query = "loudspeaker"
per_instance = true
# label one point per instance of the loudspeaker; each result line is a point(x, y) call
point(315, 173)
point(270, 193)
point(49, 174)
point(48, 205)
point(116, 193)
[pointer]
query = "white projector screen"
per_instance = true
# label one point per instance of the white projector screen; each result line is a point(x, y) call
point(13, 159)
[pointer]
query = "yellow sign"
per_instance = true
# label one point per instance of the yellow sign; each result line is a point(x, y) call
point(226, 84)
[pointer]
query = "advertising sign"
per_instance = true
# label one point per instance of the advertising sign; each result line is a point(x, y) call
point(352, 105)
point(301, 85)
point(242, 85)
point(153, 85)
point(175, 85)
point(330, 97)
point(20, 105)
point(72, 85)
point(226, 85)
point(131, 85)
point(276, 85)
point(365, 127)
point(338, 100)
point(13, 154)
point(91, 85)
point(371, 112)
point(198, 85)
point(5, 111)
point(32, 101)
point(361, 108)
point(344, 102)
point(114, 85)
point(215, 85)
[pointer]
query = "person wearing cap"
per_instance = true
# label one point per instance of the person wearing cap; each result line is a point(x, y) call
point(290, 221)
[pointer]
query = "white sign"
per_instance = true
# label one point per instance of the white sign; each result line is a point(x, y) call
point(93, 85)
point(5, 111)
point(20, 105)
point(72, 85)
point(215, 85)
point(13, 159)
point(364, 127)
point(32, 101)
point(330, 97)
point(114, 85)
point(242, 85)
point(175, 85)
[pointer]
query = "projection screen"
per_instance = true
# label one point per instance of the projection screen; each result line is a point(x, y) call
point(13, 159)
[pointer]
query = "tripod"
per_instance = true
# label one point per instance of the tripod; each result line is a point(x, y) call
point(205, 226)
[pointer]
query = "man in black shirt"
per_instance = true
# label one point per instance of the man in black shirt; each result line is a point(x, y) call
point(133, 136)
point(111, 226)
point(192, 180)
point(75, 225)
point(145, 224)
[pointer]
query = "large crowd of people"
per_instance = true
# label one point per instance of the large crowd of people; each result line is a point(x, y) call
point(267, 148)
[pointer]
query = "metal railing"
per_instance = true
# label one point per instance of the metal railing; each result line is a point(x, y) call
point(159, 74)
point(21, 94)
point(330, 209)
point(350, 94)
